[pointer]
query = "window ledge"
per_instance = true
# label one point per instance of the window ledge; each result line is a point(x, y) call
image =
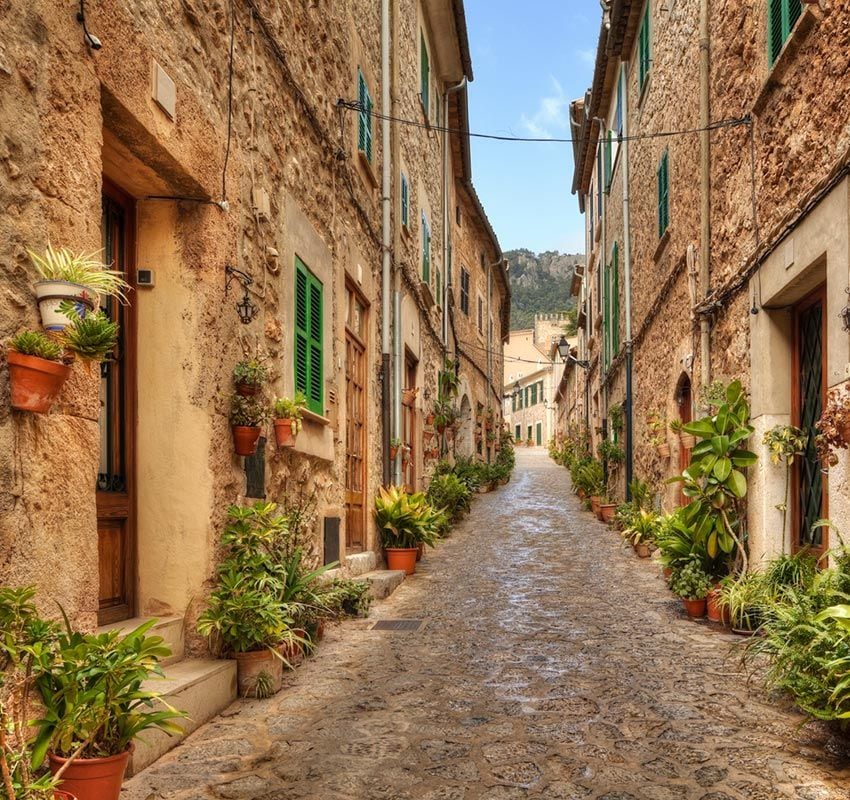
point(368, 168)
point(313, 418)
point(808, 19)
point(662, 245)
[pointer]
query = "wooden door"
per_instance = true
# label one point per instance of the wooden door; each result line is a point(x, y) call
point(116, 472)
point(684, 398)
point(809, 490)
point(355, 426)
point(409, 427)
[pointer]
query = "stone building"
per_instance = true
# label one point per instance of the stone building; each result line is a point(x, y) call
point(718, 252)
point(190, 141)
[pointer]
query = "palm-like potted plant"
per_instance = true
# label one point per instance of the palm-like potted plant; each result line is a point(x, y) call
point(36, 371)
point(246, 418)
point(287, 418)
point(405, 521)
point(95, 706)
point(692, 584)
point(78, 278)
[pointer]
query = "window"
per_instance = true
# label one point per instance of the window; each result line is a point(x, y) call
point(513, 403)
point(405, 201)
point(464, 291)
point(481, 256)
point(782, 15)
point(534, 394)
point(644, 49)
point(480, 315)
point(364, 129)
point(527, 396)
point(618, 113)
point(599, 180)
point(308, 337)
point(663, 194)
point(426, 250)
point(518, 433)
point(529, 433)
point(439, 276)
point(611, 326)
point(424, 76)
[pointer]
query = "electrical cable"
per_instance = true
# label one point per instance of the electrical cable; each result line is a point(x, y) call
point(353, 105)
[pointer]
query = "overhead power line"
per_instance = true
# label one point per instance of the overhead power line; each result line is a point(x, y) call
point(353, 105)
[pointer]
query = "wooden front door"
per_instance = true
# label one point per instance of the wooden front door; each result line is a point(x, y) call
point(685, 401)
point(355, 437)
point(809, 500)
point(116, 471)
point(408, 420)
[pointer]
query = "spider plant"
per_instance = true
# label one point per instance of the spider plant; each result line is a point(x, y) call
point(85, 269)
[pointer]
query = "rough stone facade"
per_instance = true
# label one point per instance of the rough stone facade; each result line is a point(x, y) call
point(75, 120)
point(778, 219)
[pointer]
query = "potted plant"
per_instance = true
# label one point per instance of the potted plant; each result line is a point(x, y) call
point(687, 440)
point(607, 509)
point(691, 583)
point(640, 531)
point(246, 617)
point(251, 373)
point(657, 429)
point(743, 597)
point(287, 418)
point(395, 445)
point(405, 521)
point(95, 706)
point(406, 453)
point(79, 279)
point(444, 415)
point(408, 396)
point(91, 335)
point(529, 442)
point(246, 417)
point(26, 641)
point(36, 371)
point(834, 426)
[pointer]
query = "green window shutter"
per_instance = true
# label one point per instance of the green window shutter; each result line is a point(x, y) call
point(782, 15)
point(643, 49)
point(663, 194)
point(364, 128)
point(608, 161)
point(513, 403)
point(308, 337)
point(426, 250)
point(534, 394)
point(518, 435)
point(405, 201)
point(439, 278)
point(606, 321)
point(425, 76)
point(615, 302)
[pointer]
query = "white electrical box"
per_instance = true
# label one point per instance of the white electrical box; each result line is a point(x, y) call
point(145, 278)
point(262, 204)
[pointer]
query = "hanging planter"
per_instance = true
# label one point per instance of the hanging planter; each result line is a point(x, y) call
point(51, 295)
point(245, 438)
point(408, 396)
point(663, 449)
point(246, 417)
point(36, 374)
point(284, 432)
point(688, 440)
point(287, 418)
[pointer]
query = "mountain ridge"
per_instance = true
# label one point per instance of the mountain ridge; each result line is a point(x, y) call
point(540, 283)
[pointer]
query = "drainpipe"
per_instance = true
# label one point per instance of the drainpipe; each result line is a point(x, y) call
point(397, 411)
point(386, 239)
point(705, 189)
point(627, 288)
point(447, 239)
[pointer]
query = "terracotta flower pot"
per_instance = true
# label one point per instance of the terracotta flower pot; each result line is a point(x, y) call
point(667, 572)
point(594, 504)
point(607, 511)
point(35, 382)
point(663, 450)
point(716, 613)
point(420, 551)
point(250, 666)
point(688, 440)
point(393, 452)
point(92, 778)
point(247, 389)
point(245, 439)
point(440, 428)
point(642, 550)
point(401, 558)
point(695, 609)
point(284, 432)
point(429, 419)
point(58, 794)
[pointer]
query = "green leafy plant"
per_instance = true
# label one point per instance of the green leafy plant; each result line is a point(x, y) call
point(610, 452)
point(449, 380)
point(713, 395)
point(785, 443)
point(406, 520)
point(690, 581)
point(656, 422)
point(451, 494)
point(745, 596)
point(642, 527)
point(85, 269)
point(344, 597)
point(91, 336)
point(715, 480)
point(247, 411)
point(615, 417)
point(91, 690)
point(37, 344)
point(251, 371)
point(589, 476)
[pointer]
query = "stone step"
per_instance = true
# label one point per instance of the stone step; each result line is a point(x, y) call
point(200, 687)
point(383, 582)
point(360, 563)
point(169, 628)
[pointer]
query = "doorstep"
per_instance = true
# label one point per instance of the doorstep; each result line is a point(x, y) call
point(202, 687)
point(382, 582)
point(359, 564)
point(169, 628)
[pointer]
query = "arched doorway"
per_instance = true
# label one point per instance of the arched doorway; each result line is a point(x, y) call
point(685, 409)
point(465, 437)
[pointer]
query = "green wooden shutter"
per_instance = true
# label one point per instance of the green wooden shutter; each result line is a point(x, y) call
point(426, 250)
point(643, 49)
point(439, 277)
point(663, 194)
point(364, 129)
point(425, 76)
point(615, 302)
point(608, 161)
point(518, 435)
point(606, 316)
point(534, 394)
point(782, 15)
point(308, 337)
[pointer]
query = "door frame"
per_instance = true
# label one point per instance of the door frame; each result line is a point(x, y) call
point(104, 507)
point(350, 286)
point(811, 299)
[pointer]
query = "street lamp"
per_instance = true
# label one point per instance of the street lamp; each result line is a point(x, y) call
point(517, 391)
point(564, 348)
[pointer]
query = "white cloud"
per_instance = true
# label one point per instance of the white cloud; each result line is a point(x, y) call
point(552, 114)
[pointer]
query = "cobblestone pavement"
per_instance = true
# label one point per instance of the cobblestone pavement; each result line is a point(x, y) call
point(551, 663)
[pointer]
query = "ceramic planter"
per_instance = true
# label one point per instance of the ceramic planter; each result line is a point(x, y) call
point(284, 432)
point(245, 439)
point(695, 609)
point(35, 382)
point(51, 294)
point(92, 778)
point(250, 666)
point(607, 511)
point(663, 450)
point(402, 558)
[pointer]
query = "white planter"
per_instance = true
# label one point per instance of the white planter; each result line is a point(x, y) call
point(51, 293)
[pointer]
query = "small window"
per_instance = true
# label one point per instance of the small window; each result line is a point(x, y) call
point(364, 128)
point(518, 433)
point(426, 250)
point(529, 433)
point(782, 15)
point(663, 194)
point(464, 290)
point(308, 337)
point(405, 201)
point(424, 76)
point(644, 49)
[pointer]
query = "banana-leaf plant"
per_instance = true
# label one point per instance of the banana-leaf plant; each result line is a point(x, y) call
point(716, 481)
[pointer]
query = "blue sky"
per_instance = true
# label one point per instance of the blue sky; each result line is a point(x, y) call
point(530, 60)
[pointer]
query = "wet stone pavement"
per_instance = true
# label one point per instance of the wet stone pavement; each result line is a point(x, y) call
point(551, 663)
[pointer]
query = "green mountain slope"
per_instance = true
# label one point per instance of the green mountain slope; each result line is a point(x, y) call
point(540, 283)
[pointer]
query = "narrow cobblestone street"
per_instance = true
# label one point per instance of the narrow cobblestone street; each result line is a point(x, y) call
point(550, 663)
